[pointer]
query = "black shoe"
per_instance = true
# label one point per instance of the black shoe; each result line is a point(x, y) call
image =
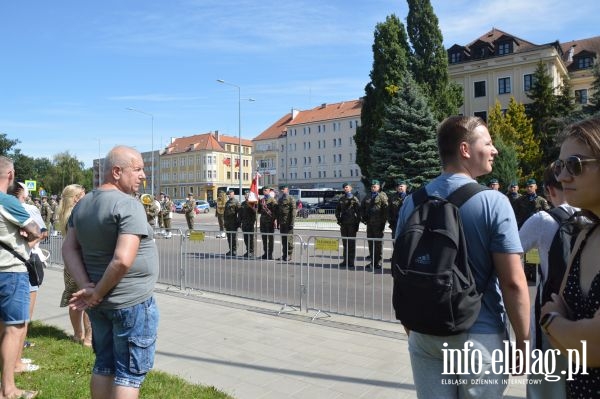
point(368, 257)
point(378, 266)
point(245, 255)
point(228, 253)
point(368, 266)
point(283, 259)
point(342, 265)
point(264, 256)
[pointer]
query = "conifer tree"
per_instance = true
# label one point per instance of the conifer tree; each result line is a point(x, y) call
point(429, 60)
point(506, 165)
point(406, 146)
point(390, 63)
point(565, 102)
point(594, 98)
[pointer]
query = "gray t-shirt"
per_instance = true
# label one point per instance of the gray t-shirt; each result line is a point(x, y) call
point(99, 218)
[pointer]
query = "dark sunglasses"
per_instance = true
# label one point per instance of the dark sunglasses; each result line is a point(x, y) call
point(573, 164)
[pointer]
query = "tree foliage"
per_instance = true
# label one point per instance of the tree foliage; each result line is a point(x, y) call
point(565, 102)
point(594, 98)
point(506, 164)
point(390, 63)
point(429, 60)
point(406, 145)
point(515, 130)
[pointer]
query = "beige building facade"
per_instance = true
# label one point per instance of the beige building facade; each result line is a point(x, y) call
point(200, 164)
point(311, 149)
point(498, 66)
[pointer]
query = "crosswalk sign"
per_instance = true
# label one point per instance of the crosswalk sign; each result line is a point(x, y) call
point(30, 185)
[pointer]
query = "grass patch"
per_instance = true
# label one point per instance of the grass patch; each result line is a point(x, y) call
point(65, 371)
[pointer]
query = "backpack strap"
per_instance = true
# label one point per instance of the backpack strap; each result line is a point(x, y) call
point(464, 192)
point(419, 197)
point(12, 251)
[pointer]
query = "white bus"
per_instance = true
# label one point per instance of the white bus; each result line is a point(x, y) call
point(313, 196)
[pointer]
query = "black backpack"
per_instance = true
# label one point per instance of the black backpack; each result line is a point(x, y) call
point(558, 256)
point(434, 289)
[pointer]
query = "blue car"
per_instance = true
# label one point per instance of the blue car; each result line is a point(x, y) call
point(202, 206)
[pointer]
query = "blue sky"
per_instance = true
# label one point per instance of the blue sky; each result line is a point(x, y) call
point(71, 68)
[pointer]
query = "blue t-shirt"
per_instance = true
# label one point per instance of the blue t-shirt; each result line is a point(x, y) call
point(490, 226)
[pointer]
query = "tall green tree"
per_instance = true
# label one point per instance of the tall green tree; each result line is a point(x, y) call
point(6, 144)
point(506, 165)
point(429, 60)
point(406, 146)
point(515, 130)
point(390, 63)
point(594, 98)
point(565, 102)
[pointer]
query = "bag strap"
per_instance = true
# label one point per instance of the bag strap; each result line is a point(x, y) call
point(464, 192)
point(12, 251)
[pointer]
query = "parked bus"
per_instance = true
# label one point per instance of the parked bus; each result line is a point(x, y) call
point(313, 196)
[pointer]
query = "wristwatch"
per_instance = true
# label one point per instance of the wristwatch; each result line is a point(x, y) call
point(546, 320)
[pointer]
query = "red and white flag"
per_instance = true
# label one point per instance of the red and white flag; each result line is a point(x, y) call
point(253, 194)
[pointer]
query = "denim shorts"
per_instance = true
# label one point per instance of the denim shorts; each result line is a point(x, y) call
point(14, 298)
point(124, 342)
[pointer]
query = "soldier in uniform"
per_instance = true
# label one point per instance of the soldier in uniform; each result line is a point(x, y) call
point(151, 210)
point(161, 202)
point(530, 203)
point(267, 207)
point(220, 208)
point(46, 212)
point(347, 214)
point(513, 194)
point(166, 210)
point(395, 202)
point(188, 208)
point(230, 216)
point(374, 215)
point(247, 216)
point(54, 207)
point(286, 212)
point(494, 184)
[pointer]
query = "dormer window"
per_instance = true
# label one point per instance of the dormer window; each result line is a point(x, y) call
point(504, 48)
point(455, 57)
point(584, 62)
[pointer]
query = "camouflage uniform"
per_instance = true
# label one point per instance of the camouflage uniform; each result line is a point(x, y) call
point(347, 214)
point(247, 217)
point(230, 216)
point(46, 212)
point(54, 207)
point(374, 215)
point(286, 212)
point(221, 200)
point(267, 207)
point(395, 203)
point(188, 208)
point(151, 212)
point(167, 208)
point(527, 205)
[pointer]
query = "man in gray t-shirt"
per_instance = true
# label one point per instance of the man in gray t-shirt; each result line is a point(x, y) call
point(110, 252)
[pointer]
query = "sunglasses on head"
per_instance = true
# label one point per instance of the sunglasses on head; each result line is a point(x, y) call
point(573, 164)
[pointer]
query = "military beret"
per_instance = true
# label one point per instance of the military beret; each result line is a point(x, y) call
point(246, 191)
point(514, 183)
point(346, 184)
point(374, 182)
point(531, 181)
point(399, 182)
point(493, 181)
point(282, 186)
point(190, 194)
point(267, 188)
point(161, 193)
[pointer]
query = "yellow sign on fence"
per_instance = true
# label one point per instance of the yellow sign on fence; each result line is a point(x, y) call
point(196, 235)
point(327, 244)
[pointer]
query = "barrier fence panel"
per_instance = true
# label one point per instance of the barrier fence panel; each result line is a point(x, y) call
point(361, 291)
point(169, 243)
point(54, 245)
point(206, 266)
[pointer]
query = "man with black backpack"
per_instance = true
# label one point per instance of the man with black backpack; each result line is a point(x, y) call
point(450, 296)
point(552, 232)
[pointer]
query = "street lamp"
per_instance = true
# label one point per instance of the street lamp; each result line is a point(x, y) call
point(239, 125)
point(152, 167)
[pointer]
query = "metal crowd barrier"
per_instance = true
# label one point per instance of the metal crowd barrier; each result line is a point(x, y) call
point(311, 280)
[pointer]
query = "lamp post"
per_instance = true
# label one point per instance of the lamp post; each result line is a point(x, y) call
point(152, 153)
point(239, 90)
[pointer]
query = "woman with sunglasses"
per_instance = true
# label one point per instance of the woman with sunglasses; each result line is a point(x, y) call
point(572, 319)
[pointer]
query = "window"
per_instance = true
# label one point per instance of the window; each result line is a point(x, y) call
point(528, 82)
point(481, 114)
point(581, 96)
point(504, 48)
point(480, 88)
point(503, 85)
point(455, 57)
point(584, 62)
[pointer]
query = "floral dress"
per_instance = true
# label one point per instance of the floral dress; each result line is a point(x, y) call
point(583, 307)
